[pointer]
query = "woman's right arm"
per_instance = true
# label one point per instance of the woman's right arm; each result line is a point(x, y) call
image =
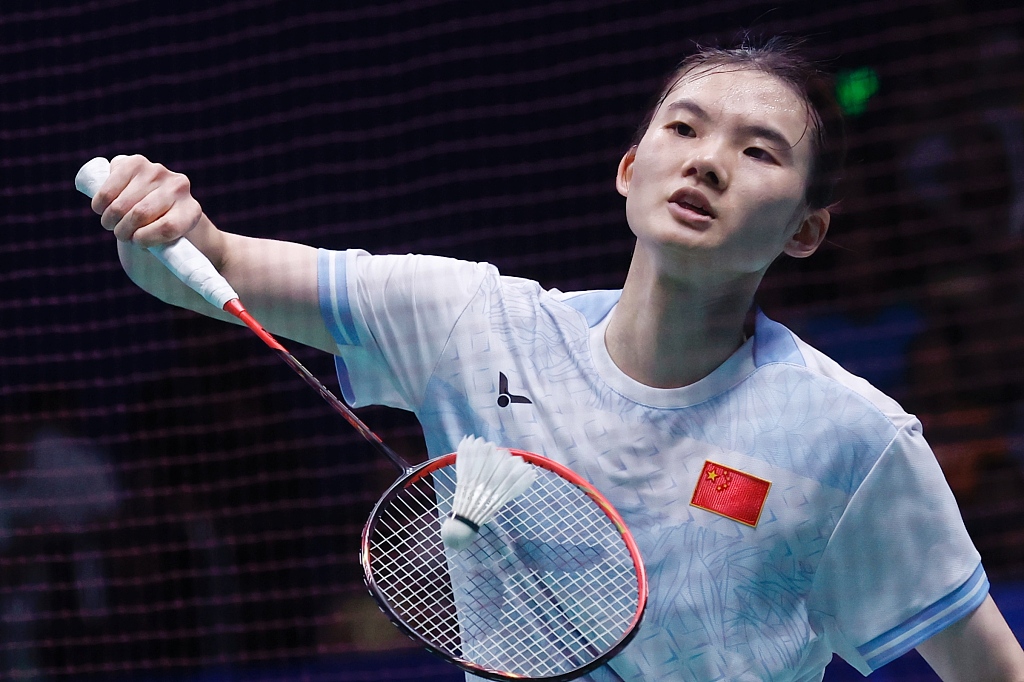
point(145, 204)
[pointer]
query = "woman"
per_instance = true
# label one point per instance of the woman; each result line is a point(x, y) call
point(667, 395)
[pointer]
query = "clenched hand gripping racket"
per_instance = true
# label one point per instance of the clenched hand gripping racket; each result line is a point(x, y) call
point(550, 589)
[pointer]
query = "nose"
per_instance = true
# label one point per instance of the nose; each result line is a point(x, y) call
point(706, 165)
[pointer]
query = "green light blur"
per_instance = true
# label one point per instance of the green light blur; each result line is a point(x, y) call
point(854, 89)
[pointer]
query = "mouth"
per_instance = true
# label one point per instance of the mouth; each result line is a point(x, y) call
point(692, 201)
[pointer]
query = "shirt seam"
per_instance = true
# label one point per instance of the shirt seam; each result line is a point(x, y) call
point(451, 332)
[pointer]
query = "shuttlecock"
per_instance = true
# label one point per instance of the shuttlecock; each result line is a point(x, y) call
point(487, 477)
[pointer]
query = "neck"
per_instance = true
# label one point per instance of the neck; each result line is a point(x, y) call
point(668, 332)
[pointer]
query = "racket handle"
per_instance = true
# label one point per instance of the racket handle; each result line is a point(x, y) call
point(180, 256)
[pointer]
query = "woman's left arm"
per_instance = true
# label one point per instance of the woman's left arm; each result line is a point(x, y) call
point(980, 647)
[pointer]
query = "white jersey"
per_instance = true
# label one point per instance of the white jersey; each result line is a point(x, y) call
point(857, 546)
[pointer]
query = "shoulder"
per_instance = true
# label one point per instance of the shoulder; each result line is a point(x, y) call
point(422, 278)
point(777, 347)
point(836, 425)
point(355, 266)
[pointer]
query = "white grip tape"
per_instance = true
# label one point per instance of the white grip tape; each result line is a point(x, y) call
point(194, 269)
point(180, 256)
point(91, 176)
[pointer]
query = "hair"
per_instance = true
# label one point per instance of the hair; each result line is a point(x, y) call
point(779, 58)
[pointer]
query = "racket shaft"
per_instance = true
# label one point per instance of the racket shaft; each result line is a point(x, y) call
point(341, 408)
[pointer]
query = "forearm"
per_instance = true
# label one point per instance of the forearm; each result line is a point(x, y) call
point(275, 280)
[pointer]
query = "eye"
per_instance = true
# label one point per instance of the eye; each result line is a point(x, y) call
point(683, 130)
point(759, 154)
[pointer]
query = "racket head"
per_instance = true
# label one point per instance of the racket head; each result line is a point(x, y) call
point(550, 589)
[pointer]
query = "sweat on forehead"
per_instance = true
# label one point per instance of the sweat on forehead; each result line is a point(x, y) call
point(707, 90)
point(732, 87)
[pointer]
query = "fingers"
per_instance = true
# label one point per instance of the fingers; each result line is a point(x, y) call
point(122, 168)
point(145, 203)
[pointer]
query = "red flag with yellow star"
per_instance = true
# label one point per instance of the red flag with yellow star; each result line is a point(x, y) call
point(731, 493)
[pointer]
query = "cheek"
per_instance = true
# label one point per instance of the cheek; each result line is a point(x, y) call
point(639, 171)
point(781, 221)
point(642, 190)
point(636, 212)
point(771, 220)
point(786, 211)
point(781, 202)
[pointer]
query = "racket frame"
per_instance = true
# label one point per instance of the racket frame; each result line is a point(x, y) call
point(412, 475)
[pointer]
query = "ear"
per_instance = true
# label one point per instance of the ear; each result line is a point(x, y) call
point(625, 172)
point(809, 235)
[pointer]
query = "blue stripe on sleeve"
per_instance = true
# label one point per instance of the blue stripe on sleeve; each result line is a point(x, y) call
point(332, 290)
point(343, 380)
point(931, 621)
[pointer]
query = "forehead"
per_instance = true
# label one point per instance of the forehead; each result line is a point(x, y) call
point(743, 95)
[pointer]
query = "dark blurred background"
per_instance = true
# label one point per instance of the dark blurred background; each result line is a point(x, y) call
point(175, 504)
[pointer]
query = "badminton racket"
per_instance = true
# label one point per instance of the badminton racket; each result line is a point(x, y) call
point(550, 588)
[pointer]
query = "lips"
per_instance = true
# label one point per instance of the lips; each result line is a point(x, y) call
point(692, 201)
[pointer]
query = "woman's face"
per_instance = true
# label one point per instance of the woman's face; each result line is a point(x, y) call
point(716, 185)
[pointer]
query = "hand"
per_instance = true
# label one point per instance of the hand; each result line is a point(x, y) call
point(145, 203)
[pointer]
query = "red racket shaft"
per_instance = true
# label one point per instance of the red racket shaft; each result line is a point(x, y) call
point(235, 307)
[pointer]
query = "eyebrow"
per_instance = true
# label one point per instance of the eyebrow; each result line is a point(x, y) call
point(753, 129)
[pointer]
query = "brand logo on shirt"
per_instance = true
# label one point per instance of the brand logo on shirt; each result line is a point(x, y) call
point(731, 493)
point(504, 397)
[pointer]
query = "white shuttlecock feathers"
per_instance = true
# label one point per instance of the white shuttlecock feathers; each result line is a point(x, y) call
point(487, 477)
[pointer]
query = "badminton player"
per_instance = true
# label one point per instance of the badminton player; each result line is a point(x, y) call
point(786, 509)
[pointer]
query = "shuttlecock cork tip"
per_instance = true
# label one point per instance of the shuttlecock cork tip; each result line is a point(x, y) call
point(457, 534)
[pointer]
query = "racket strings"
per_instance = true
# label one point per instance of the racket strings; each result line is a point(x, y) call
point(411, 570)
point(546, 587)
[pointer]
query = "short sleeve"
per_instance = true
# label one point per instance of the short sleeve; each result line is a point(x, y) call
point(900, 566)
point(391, 317)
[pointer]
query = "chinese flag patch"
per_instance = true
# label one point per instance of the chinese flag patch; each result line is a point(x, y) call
point(731, 493)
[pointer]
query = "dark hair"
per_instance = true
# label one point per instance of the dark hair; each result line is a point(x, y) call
point(780, 58)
